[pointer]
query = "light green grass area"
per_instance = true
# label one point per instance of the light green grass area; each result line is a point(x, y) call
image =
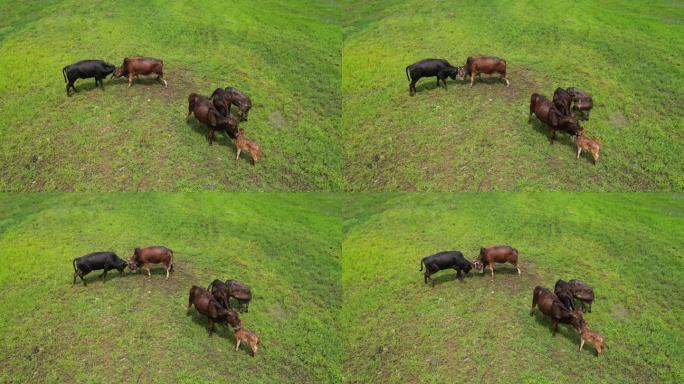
point(627, 54)
point(133, 329)
point(284, 55)
point(396, 329)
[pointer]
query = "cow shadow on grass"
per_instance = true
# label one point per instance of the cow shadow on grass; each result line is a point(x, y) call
point(501, 271)
point(143, 80)
point(445, 278)
point(220, 330)
point(96, 277)
point(565, 330)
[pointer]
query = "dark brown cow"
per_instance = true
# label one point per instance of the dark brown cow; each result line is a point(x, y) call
point(498, 254)
point(205, 304)
point(550, 306)
point(134, 66)
point(582, 292)
point(151, 255)
point(476, 65)
point(206, 113)
point(548, 114)
point(224, 98)
point(582, 102)
point(562, 100)
point(231, 288)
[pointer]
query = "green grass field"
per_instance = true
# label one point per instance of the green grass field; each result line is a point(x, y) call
point(284, 55)
point(395, 329)
point(627, 54)
point(132, 329)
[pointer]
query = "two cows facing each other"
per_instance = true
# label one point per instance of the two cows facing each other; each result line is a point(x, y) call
point(455, 260)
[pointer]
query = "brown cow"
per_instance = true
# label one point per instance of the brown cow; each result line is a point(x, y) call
point(498, 254)
point(244, 336)
point(205, 304)
point(548, 114)
point(582, 102)
point(475, 65)
point(206, 113)
point(243, 144)
point(134, 66)
point(592, 337)
point(550, 306)
point(151, 255)
point(224, 98)
point(590, 145)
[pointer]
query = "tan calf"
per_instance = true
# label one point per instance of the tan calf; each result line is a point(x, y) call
point(244, 336)
point(243, 144)
point(584, 143)
point(592, 337)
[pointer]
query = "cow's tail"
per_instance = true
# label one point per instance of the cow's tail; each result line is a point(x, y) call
point(74, 263)
point(64, 73)
point(171, 261)
point(421, 265)
point(407, 74)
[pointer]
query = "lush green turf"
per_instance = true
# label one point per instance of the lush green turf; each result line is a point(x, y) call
point(398, 330)
point(134, 329)
point(627, 54)
point(285, 55)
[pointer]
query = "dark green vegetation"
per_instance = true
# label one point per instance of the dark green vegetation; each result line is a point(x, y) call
point(134, 329)
point(398, 330)
point(284, 55)
point(627, 54)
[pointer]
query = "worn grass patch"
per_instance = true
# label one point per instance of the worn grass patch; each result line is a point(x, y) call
point(398, 330)
point(286, 56)
point(135, 329)
point(626, 54)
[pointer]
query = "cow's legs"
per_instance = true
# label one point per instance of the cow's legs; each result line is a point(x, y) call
point(412, 88)
point(147, 268)
point(491, 269)
point(211, 327)
point(210, 134)
point(581, 345)
point(552, 134)
point(579, 152)
point(472, 78)
point(167, 271)
point(554, 326)
point(161, 77)
point(130, 79)
point(237, 345)
point(238, 154)
point(104, 275)
point(516, 267)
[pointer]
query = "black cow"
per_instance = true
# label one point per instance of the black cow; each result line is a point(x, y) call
point(564, 292)
point(86, 69)
point(428, 68)
point(95, 261)
point(562, 100)
point(445, 260)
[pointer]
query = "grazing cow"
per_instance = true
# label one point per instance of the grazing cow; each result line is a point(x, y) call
point(241, 293)
point(86, 69)
point(475, 65)
point(592, 337)
point(548, 114)
point(206, 113)
point(134, 66)
point(223, 99)
point(562, 100)
point(242, 144)
point(444, 260)
point(582, 142)
point(231, 288)
point(206, 305)
point(564, 293)
point(550, 306)
point(498, 254)
point(583, 102)
point(428, 68)
point(96, 261)
point(154, 255)
point(244, 336)
point(582, 292)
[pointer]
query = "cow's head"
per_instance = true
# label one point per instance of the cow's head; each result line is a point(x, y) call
point(122, 265)
point(577, 320)
point(452, 73)
point(461, 72)
point(478, 265)
point(132, 262)
point(468, 267)
point(118, 72)
point(243, 112)
point(570, 125)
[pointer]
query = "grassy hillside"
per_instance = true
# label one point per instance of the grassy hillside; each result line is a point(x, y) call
point(285, 55)
point(626, 54)
point(398, 330)
point(135, 329)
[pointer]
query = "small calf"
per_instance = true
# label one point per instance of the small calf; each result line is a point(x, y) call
point(584, 143)
point(592, 337)
point(243, 335)
point(243, 144)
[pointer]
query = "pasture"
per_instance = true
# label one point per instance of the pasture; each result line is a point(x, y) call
point(396, 329)
point(284, 55)
point(131, 329)
point(626, 54)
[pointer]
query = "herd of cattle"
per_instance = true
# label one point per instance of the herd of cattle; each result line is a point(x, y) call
point(561, 114)
point(212, 302)
point(214, 111)
point(559, 304)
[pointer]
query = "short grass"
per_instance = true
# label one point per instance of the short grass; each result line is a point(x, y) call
point(395, 329)
point(131, 329)
point(627, 54)
point(285, 55)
